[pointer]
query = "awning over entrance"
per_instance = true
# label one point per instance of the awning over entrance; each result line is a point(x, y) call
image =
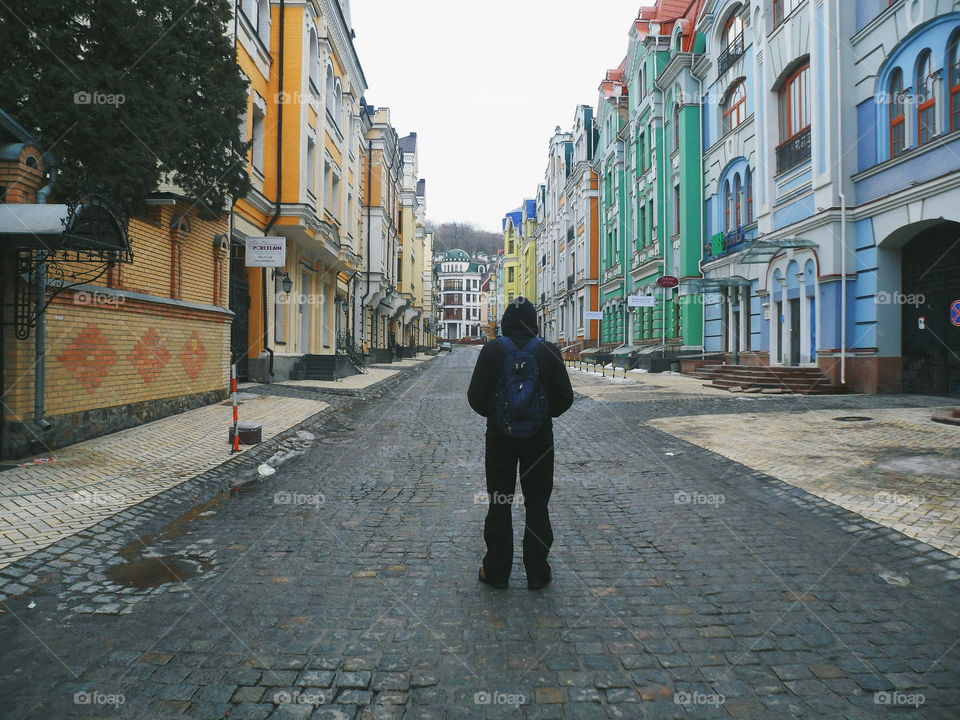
point(761, 251)
point(703, 285)
point(89, 227)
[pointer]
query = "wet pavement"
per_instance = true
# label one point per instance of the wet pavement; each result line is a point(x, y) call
point(344, 586)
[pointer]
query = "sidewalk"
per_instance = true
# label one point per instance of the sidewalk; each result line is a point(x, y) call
point(894, 467)
point(93, 480)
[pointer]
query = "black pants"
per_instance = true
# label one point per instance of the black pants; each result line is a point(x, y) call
point(534, 458)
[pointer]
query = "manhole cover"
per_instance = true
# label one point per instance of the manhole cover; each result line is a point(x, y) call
point(853, 418)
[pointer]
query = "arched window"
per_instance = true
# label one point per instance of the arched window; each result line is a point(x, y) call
point(953, 58)
point(338, 114)
point(735, 107)
point(314, 60)
point(794, 100)
point(676, 126)
point(738, 200)
point(898, 116)
point(748, 184)
point(926, 99)
point(330, 90)
point(727, 202)
point(733, 34)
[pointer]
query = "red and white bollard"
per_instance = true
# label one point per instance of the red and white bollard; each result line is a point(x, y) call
point(236, 410)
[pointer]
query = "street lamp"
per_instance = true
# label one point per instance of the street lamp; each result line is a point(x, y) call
point(287, 283)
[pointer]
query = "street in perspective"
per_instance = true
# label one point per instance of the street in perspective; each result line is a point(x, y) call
point(651, 412)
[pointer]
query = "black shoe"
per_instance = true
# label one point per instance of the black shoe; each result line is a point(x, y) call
point(539, 583)
point(483, 578)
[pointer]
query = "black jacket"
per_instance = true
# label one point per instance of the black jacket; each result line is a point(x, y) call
point(520, 325)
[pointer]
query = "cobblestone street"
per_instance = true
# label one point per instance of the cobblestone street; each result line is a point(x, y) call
point(344, 587)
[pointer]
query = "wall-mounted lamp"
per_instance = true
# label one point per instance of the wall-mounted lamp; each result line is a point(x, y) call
point(287, 283)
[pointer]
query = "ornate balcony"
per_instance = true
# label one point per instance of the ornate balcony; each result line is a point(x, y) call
point(730, 54)
point(794, 151)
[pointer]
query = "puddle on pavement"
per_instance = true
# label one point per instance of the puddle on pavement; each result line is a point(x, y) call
point(177, 528)
point(156, 571)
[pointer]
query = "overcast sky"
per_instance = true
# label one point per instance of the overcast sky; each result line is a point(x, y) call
point(484, 85)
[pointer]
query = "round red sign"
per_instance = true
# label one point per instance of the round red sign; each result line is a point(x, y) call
point(668, 281)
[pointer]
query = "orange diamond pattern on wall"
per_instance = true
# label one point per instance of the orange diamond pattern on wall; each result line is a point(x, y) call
point(89, 357)
point(150, 355)
point(193, 356)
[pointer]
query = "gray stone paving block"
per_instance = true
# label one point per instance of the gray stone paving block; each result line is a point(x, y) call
point(353, 680)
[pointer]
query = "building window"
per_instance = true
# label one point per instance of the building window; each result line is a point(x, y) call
point(314, 61)
point(510, 275)
point(794, 145)
point(954, 79)
point(738, 200)
point(676, 127)
point(782, 8)
point(259, 122)
point(748, 184)
point(311, 162)
point(330, 93)
point(733, 43)
point(898, 115)
point(926, 99)
point(735, 108)
point(727, 202)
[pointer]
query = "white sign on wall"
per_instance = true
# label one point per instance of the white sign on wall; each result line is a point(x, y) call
point(266, 252)
point(593, 314)
point(641, 301)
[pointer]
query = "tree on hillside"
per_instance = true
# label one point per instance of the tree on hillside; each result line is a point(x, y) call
point(129, 93)
point(465, 236)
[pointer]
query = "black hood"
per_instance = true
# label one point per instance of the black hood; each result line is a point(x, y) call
point(520, 320)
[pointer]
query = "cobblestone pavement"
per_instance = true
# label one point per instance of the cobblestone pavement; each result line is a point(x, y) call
point(344, 586)
point(89, 481)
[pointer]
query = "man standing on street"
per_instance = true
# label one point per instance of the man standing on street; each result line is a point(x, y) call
point(519, 384)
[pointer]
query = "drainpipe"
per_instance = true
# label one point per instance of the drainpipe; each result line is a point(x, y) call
point(843, 210)
point(40, 336)
point(366, 294)
point(276, 213)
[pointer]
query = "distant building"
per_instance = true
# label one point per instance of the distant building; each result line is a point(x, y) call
point(460, 278)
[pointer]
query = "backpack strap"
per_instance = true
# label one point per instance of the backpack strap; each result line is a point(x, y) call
point(507, 344)
point(531, 347)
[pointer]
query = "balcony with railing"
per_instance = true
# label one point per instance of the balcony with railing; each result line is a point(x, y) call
point(794, 151)
point(730, 54)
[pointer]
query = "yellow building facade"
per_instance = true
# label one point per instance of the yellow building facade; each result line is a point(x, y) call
point(305, 164)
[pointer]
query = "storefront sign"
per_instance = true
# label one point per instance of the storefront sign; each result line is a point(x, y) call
point(593, 314)
point(266, 252)
point(641, 301)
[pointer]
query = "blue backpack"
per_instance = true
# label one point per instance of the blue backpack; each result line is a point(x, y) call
point(522, 407)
